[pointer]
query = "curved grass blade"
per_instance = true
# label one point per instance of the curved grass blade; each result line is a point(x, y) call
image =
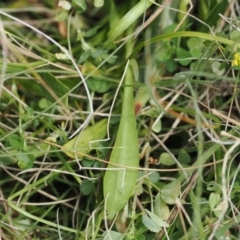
point(168, 36)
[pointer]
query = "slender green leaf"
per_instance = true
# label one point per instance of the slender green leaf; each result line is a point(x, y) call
point(183, 34)
point(128, 19)
point(59, 88)
point(213, 15)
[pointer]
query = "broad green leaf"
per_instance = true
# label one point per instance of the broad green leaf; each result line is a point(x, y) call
point(171, 65)
point(184, 56)
point(183, 157)
point(171, 191)
point(165, 53)
point(83, 143)
point(110, 235)
point(44, 103)
point(195, 52)
point(235, 36)
point(166, 159)
point(161, 209)
point(153, 177)
point(157, 219)
point(213, 200)
point(16, 141)
point(150, 224)
point(194, 42)
point(86, 187)
point(195, 46)
point(25, 161)
point(157, 125)
point(87, 162)
point(98, 85)
point(119, 183)
point(155, 222)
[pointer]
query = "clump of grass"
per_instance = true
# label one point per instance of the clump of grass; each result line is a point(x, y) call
point(150, 89)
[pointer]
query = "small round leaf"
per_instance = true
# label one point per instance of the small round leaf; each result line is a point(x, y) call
point(166, 159)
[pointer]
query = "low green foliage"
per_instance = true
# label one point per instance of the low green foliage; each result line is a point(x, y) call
point(119, 120)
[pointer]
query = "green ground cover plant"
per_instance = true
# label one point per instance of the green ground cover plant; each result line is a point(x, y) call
point(119, 119)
